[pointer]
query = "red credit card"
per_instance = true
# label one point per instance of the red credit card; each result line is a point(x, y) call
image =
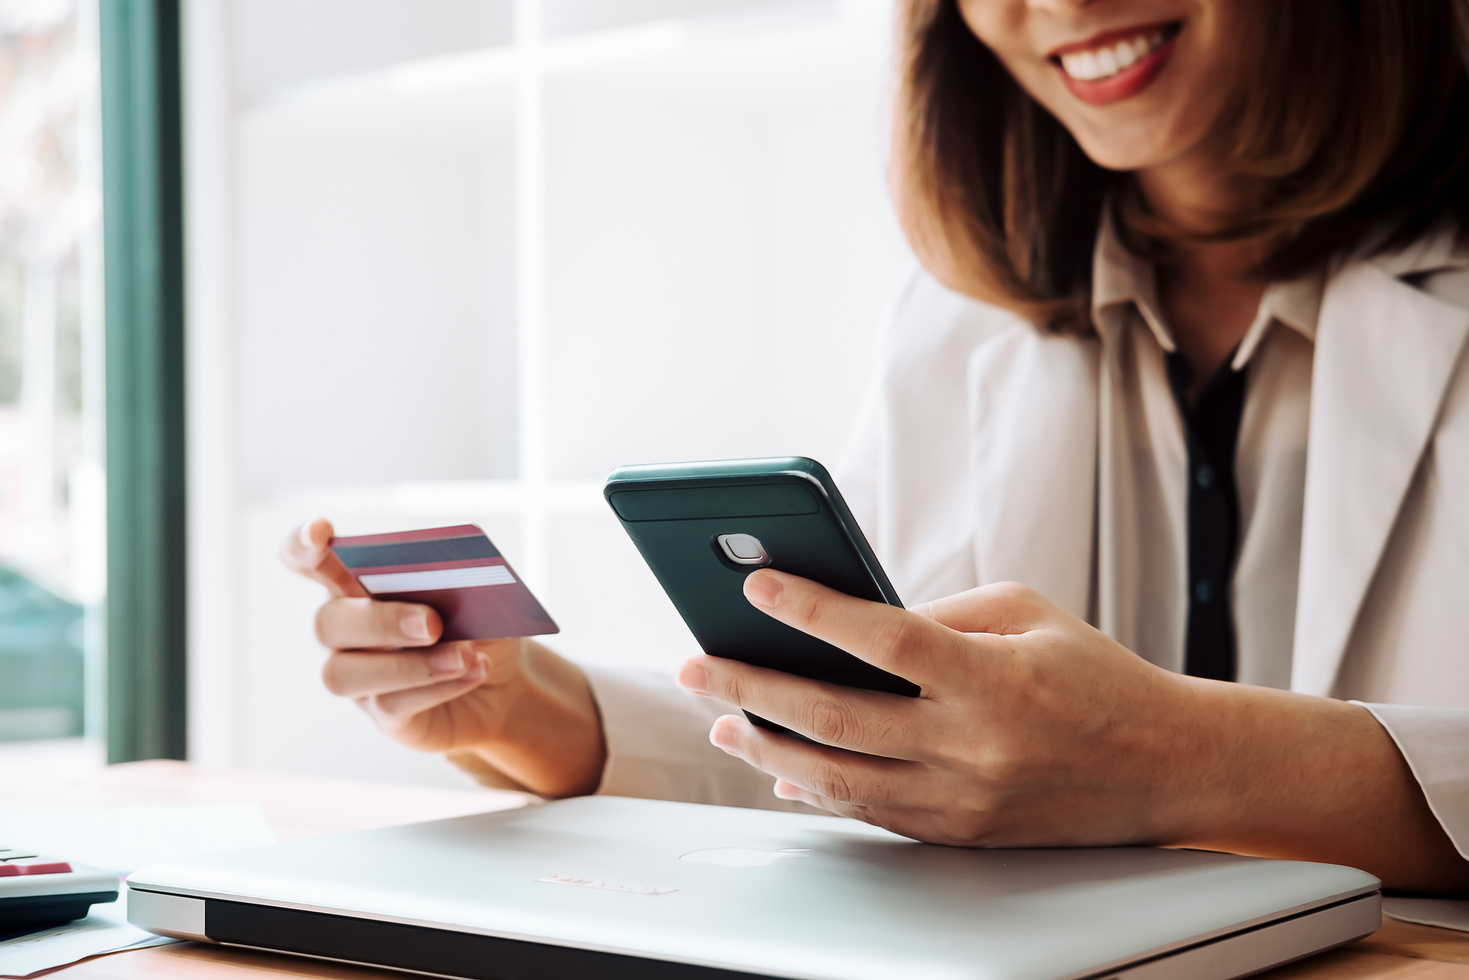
point(456, 570)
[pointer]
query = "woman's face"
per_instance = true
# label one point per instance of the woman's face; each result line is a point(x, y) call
point(1139, 83)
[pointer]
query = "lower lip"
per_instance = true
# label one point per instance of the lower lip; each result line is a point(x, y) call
point(1125, 84)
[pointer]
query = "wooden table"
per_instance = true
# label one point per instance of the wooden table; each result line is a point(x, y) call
point(306, 807)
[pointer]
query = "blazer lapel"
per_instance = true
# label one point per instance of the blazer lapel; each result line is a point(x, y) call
point(1033, 461)
point(1385, 352)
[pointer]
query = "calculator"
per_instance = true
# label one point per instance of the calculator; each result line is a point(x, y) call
point(38, 891)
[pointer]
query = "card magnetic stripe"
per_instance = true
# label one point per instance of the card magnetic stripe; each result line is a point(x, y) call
point(416, 552)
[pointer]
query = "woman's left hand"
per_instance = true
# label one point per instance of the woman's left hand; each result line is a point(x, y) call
point(1032, 727)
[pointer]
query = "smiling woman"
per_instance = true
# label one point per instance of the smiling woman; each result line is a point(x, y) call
point(1171, 443)
point(1329, 122)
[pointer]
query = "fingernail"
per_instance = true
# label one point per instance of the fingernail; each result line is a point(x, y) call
point(475, 673)
point(414, 625)
point(692, 677)
point(762, 589)
point(785, 791)
point(306, 534)
point(449, 661)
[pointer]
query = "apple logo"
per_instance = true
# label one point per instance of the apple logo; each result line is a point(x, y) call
point(743, 857)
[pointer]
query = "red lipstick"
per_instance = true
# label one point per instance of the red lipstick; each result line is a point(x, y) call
point(1125, 82)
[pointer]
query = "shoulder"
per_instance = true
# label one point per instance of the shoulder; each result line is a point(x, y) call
point(1436, 264)
point(934, 325)
point(1449, 284)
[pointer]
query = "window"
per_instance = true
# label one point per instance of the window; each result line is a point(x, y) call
point(52, 552)
point(454, 260)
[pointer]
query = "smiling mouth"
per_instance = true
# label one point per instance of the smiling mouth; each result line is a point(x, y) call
point(1114, 55)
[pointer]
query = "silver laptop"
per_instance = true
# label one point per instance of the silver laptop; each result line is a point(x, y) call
point(611, 887)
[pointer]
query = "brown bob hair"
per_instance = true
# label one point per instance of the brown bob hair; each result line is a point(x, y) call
point(1359, 121)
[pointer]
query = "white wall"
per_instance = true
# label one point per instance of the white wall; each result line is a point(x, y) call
point(718, 255)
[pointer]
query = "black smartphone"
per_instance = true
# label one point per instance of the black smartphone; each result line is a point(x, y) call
point(702, 527)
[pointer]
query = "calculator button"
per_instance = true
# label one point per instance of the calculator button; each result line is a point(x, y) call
point(33, 866)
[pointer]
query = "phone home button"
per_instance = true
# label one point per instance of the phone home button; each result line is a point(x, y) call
point(743, 549)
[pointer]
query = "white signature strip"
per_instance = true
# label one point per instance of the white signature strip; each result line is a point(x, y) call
point(438, 578)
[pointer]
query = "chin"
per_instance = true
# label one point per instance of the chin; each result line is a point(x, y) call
point(1132, 148)
point(1119, 158)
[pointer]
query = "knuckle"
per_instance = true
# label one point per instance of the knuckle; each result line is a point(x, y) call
point(829, 781)
point(1002, 768)
point(734, 688)
point(829, 720)
point(810, 609)
point(1013, 591)
point(893, 638)
point(382, 622)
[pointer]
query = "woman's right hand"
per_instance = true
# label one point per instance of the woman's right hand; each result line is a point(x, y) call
point(513, 702)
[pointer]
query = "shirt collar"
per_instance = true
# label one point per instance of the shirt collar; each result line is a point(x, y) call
point(1123, 281)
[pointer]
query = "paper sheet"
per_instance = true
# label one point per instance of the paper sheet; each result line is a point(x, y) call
point(120, 839)
point(126, 838)
point(106, 930)
point(1446, 913)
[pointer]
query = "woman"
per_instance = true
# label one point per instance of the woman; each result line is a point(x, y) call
point(1189, 362)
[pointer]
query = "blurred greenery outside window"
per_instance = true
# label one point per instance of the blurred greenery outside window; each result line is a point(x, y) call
point(52, 551)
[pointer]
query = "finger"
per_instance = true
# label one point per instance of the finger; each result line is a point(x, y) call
point(355, 675)
point(863, 721)
point(790, 791)
point(399, 707)
point(350, 623)
point(306, 553)
point(900, 820)
point(897, 640)
point(1005, 608)
point(834, 774)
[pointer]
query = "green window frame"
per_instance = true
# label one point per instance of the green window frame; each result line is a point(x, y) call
point(142, 186)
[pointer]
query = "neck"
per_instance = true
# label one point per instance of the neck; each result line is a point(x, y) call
point(1207, 289)
point(1198, 197)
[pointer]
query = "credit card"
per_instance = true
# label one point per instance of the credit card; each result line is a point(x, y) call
point(456, 570)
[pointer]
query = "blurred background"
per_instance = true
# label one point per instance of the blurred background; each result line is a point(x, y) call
point(444, 261)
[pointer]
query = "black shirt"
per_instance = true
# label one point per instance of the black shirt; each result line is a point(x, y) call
point(1211, 431)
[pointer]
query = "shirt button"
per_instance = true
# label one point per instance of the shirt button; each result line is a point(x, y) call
point(1205, 476)
point(1204, 592)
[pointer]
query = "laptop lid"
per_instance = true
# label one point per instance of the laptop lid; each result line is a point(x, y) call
point(605, 886)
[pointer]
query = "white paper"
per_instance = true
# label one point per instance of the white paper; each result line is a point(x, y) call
point(126, 838)
point(105, 930)
point(121, 839)
point(1446, 913)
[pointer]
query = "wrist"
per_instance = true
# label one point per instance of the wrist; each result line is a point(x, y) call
point(1190, 778)
point(551, 739)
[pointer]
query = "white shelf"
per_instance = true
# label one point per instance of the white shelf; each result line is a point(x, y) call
point(429, 499)
point(747, 58)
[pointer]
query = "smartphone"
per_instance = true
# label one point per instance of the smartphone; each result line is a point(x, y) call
point(702, 527)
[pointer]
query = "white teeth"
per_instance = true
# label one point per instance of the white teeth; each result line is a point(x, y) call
point(1089, 66)
point(1083, 65)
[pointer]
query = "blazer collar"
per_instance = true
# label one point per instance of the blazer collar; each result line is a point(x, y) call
point(1385, 353)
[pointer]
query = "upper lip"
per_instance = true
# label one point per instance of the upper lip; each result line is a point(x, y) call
point(1104, 38)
